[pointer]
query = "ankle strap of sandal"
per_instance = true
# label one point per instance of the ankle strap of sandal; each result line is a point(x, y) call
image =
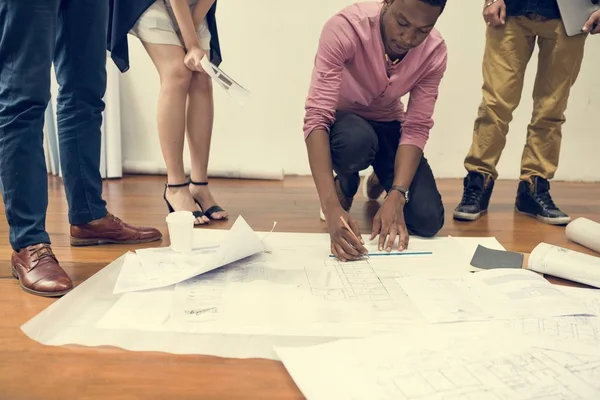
point(176, 185)
point(199, 183)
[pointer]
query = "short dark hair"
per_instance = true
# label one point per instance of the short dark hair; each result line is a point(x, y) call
point(436, 3)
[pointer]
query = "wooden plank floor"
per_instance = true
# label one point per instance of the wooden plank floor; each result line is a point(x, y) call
point(29, 370)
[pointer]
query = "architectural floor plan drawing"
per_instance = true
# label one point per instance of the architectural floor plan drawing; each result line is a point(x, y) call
point(582, 329)
point(585, 367)
point(329, 298)
point(394, 367)
point(337, 301)
point(528, 375)
point(359, 281)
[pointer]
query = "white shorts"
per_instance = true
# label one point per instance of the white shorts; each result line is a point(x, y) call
point(156, 26)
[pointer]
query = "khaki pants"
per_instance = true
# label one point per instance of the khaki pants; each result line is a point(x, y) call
point(507, 53)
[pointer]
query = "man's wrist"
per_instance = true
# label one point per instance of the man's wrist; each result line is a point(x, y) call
point(330, 203)
point(397, 196)
point(399, 189)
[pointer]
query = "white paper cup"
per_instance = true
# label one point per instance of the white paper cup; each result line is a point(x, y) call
point(181, 230)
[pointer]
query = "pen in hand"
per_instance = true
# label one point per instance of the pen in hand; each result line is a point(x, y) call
point(352, 232)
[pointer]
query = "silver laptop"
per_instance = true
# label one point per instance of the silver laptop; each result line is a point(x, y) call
point(575, 13)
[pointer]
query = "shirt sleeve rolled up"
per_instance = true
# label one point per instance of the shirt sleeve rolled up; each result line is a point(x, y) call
point(336, 47)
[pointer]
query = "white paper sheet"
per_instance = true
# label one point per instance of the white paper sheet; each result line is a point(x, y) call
point(81, 316)
point(564, 263)
point(590, 297)
point(160, 267)
point(453, 362)
point(487, 295)
point(234, 89)
point(578, 331)
point(301, 291)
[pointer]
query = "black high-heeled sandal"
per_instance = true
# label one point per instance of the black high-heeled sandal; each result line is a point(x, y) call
point(214, 209)
point(197, 214)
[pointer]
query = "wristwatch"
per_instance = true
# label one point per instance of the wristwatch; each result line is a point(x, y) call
point(401, 189)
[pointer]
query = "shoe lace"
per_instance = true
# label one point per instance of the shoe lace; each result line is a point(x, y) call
point(40, 253)
point(472, 195)
point(545, 200)
point(114, 218)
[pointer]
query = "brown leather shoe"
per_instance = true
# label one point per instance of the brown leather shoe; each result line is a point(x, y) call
point(38, 271)
point(111, 229)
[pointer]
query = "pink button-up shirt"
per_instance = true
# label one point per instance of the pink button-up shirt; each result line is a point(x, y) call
point(350, 74)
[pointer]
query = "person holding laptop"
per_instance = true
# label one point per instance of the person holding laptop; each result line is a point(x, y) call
point(592, 25)
point(370, 55)
point(513, 28)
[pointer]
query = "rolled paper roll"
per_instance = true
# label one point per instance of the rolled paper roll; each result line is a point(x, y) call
point(584, 232)
point(566, 264)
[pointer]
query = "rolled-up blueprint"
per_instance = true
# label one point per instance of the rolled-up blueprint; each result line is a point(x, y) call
point(585, 232)
point(566, 264)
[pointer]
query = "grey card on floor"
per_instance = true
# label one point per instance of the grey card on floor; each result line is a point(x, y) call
point(485, 258)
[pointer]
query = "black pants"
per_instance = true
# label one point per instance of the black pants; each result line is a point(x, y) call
point(357, 144)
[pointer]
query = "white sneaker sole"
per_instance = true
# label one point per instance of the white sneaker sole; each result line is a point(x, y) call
point(467, 217)
point(546, 220)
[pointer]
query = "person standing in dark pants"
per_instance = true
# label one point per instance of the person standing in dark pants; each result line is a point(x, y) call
point(72, 34)
point(369, 56)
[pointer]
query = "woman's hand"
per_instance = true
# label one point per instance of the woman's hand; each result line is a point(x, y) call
point(193, 58)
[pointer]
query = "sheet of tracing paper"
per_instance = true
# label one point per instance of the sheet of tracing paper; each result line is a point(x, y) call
point(290, 304)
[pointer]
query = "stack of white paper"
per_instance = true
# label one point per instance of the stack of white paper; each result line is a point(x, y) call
point(160, 267)
point(461, 361)
point(489, 295)
point(290, 292)
point(376, 323)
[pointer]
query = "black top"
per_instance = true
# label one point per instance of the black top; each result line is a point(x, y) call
point(123, 14)
point(544, 8)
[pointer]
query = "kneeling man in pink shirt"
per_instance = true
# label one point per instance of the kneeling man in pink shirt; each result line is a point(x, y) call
point(369, 56)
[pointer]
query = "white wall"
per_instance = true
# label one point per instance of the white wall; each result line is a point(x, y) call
point(264, 138)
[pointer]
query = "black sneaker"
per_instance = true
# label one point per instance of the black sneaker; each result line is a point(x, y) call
point(476, 196)
point(536, 202)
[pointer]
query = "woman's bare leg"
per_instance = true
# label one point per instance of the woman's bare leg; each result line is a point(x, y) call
point(199, 129)
point(175, 80)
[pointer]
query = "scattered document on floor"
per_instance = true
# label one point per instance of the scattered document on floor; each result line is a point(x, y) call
point(160, 267)
point(566, 264)
point(234, 89)
point(298, 290)
point(197, 316)
point(590, 297)
point(454, 362)
point(579, 331)
point(488, 295)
